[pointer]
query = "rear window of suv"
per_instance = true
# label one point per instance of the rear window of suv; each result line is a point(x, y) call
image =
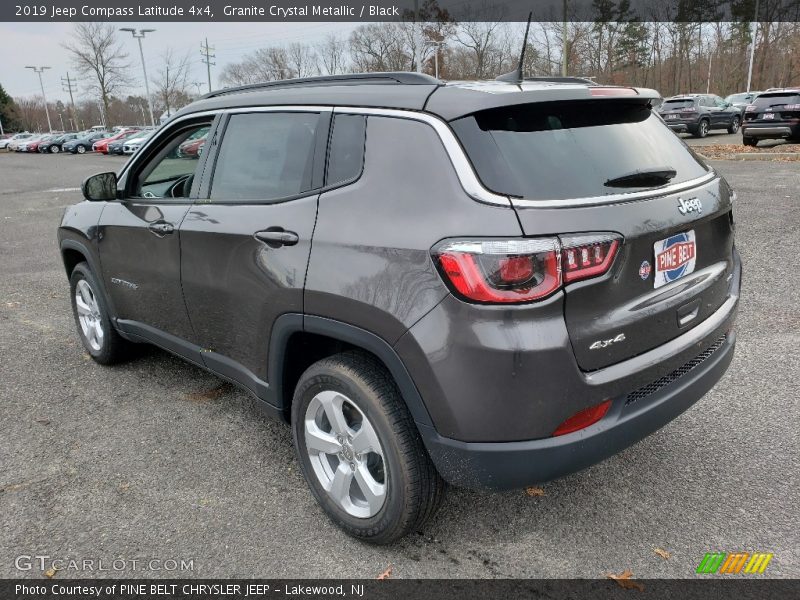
point(564, 150)
point(772, 99)
point(678, 104)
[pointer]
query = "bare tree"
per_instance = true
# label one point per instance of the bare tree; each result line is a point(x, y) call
point(100, 59)
point(302, 60)
point(172, 79)
point(265, 64)
point(332, 52)
point(380, 47)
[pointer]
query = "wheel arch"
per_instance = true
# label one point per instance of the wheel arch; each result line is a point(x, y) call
point(74, 252)
point(298, 341)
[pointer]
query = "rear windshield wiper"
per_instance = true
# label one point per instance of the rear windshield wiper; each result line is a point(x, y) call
point(645, 178)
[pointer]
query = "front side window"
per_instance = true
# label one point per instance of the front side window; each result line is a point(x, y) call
point(265, 156)
point(170, 173)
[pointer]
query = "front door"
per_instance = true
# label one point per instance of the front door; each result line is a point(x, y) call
point(245, 248)
point(140, 241)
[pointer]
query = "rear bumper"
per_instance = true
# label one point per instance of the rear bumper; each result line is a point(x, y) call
point(759, 130)
point(705, 353)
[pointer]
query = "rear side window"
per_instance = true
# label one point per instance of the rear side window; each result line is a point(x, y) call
point(564, 150)
point(346, 150)
point(265, 156)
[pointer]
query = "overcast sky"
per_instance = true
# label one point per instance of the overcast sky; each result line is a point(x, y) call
point(40, 44)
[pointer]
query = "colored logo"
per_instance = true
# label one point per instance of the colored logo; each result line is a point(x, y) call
point(644, 269)
point(678, 251)
point(734, 562)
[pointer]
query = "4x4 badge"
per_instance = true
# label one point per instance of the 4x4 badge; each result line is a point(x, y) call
point(690, 205)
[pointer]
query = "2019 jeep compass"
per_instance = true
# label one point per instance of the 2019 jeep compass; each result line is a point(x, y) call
point(483, 283)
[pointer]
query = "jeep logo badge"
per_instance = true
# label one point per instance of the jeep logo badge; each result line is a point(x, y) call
point(690, 205)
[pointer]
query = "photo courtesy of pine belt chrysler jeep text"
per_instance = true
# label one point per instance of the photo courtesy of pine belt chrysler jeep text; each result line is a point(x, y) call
point(486, 284)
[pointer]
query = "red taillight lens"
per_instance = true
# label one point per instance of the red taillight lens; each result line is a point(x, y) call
point(501, 271)
point(587, 256)
point(584, 418)
point(612, 91)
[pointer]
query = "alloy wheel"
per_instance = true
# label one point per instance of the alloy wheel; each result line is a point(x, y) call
point(345, 454)
point(89, 316)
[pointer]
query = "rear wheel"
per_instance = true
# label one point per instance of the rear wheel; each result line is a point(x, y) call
point(360, 450)
point(702, 129)
point(55, 149)
point(81, 149)
point(749, 141)
point(98, 336)
point(734, 126)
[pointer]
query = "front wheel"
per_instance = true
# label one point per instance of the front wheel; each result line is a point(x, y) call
point(97, 334)
point(360, 451)
point(55, 149)
point(734, 126)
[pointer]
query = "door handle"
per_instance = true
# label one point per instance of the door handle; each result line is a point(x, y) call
point(161, 228)
point(275, 237)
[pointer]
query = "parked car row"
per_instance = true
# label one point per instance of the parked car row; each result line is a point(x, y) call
point(770, 115)
point(122, 140)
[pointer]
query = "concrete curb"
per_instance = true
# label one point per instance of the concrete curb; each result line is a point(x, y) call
point(753, 156)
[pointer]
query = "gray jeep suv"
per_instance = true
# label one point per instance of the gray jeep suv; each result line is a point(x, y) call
point(487, 284)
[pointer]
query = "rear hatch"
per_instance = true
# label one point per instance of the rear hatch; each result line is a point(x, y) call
point(774, 107)
point(611, 166)
point(678, 109)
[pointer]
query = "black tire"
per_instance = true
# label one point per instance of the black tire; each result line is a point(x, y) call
point(701, 130)
point(749, 141)
point(112, 348)
point(414, 491)
point(80, 149)
point(54, 149)
point(734, 126)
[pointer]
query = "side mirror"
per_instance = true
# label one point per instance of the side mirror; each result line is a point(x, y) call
point(100, 187)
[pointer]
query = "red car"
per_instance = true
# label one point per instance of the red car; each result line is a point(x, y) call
point(193, 147)
point(102, 145)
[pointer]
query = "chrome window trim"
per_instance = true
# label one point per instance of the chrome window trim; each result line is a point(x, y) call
point(463, 167)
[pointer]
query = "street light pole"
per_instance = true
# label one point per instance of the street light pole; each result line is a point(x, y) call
point(752, 48)
point(39, 71)
point(139, 35)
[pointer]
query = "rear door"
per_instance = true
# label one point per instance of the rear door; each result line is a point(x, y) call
point(245, 246)
point(565, 166)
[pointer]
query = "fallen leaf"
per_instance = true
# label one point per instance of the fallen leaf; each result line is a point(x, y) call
point(662, 553)
point(124, 486)
point(387, 574)
point(211, 394)
point(625, 581)
point(534, 491)
point(43, 421)
point(50, 573)
point(13, 304)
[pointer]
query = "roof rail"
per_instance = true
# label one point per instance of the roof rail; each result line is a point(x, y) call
point(397, 77)
point(558, 79)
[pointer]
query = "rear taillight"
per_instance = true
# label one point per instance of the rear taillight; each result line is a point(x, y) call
point(501, 271)
point(583, 257)
point(612, 91)
point(792, 107)
point(750, 108)
point(509, 271)
point(688, 111)
point(582, 419)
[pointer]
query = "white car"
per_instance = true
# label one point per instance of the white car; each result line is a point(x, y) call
point(10, 144)
point(133, 144)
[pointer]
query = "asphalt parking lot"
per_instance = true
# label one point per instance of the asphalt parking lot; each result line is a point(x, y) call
point(157, 459)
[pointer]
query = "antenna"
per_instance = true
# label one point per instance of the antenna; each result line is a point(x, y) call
point(516, 76)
